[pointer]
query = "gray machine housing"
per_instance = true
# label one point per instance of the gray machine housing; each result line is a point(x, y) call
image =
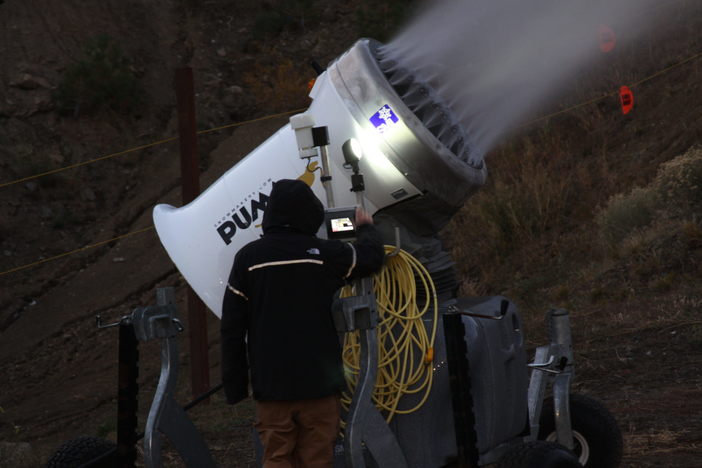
point(499, 378)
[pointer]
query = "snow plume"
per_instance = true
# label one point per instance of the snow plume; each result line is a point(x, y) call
point(495, 63)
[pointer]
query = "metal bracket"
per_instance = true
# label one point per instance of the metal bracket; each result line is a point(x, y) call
point(125, 320)
point(156, 322)
point(549, 367)
point(544, 366)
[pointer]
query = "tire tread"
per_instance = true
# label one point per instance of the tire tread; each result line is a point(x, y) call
point(79, 451)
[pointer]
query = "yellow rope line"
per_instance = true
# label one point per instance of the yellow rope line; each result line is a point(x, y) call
point(148, 145)
point(666, 70)
point(237, 124)
point(563, 111)
point(101, 158)
point(65, 254)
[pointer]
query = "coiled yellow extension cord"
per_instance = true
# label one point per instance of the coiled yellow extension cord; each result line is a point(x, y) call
point(405, 349)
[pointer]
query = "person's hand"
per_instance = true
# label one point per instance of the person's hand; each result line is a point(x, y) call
point(362, 217)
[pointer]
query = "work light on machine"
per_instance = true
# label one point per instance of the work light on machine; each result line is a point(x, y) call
point(352, 153)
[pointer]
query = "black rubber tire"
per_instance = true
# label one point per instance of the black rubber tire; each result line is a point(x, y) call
point(539, 454)
point(593, 425)
point(83, 450)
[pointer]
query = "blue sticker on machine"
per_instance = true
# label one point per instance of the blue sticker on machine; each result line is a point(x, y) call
point(384, 119)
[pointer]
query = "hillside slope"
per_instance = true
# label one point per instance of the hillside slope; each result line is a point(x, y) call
point(532, 233)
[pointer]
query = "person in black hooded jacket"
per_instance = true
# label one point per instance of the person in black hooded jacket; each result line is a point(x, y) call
point(276, 320)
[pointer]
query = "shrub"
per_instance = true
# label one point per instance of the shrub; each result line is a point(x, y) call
point(102, 78)
point(675, 195)
point(679, 183)
point(627, 213)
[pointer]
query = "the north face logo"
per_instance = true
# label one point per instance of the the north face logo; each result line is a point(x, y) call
point(313, 251)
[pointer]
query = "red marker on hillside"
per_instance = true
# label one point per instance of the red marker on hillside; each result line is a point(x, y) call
point(608, 40)
point(626, 97)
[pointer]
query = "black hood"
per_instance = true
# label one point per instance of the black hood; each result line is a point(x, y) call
point(293, 205)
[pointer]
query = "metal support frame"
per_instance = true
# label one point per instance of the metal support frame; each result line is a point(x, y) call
point(166, 417)
point(553, 364)
point(365, 426)
point(326, 174)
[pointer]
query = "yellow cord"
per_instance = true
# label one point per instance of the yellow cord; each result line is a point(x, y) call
point(405, 348)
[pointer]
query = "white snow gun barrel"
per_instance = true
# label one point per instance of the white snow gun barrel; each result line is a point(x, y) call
point(418, 165)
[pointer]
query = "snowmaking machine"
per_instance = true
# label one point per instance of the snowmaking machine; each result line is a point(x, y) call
point(418, 166)
point(377, 135)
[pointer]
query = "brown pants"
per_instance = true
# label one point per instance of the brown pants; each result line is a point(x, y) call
point(299, 433)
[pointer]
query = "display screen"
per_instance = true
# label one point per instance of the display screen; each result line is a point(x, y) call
point(341, 224)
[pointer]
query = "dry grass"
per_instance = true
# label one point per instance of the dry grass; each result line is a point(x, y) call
point(626, 214)
point(542, 188)
point(278, 84)
point(556, 225)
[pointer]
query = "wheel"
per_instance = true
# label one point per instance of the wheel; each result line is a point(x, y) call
point(596, 434)
point(84, 452)
point(539, 454)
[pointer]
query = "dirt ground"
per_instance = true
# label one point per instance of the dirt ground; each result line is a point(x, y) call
point(646, 372)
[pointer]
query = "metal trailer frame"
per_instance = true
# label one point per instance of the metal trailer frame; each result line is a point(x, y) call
point(370, 441)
